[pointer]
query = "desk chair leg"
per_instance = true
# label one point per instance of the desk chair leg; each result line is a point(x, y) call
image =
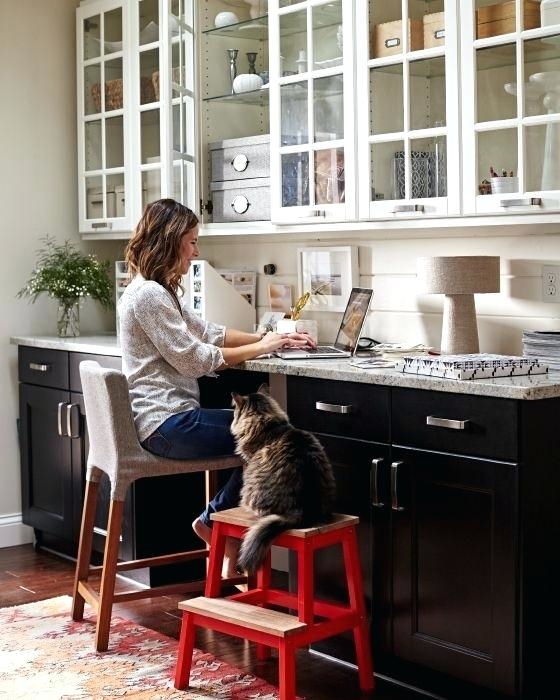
point(357, 603)
point(186, 647)
point(84, 548)
point(107, 589)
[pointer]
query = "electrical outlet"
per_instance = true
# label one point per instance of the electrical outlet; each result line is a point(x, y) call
point(551, 283)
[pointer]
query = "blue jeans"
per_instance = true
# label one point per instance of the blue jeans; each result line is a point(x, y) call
point(199, 434)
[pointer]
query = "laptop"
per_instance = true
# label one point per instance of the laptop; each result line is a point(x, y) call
point(348, 334)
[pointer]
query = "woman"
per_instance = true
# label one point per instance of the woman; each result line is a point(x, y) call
point(166, 348)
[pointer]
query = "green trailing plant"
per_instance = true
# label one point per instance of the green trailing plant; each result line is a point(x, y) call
point(67, 275)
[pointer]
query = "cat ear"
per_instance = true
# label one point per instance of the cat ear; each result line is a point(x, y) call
point(264, 389)
point(236, 399)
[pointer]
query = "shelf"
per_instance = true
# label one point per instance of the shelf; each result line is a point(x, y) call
point(258, 97)
point(248, 29)
point(500, 55)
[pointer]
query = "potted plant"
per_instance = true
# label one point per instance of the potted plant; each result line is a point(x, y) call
point(67, 275)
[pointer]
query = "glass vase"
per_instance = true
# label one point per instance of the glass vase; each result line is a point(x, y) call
point(68, 319)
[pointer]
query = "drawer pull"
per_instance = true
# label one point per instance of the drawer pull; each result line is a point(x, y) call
point(374, 484)
point(447, 423)
point(39, 367)
point(69, 432)
point(408, 209)
point(395, 487)
point(104, 224)
point(240, 204)
point(240, 162)
point(332, 407)
point(60, 407)
point(529, 202)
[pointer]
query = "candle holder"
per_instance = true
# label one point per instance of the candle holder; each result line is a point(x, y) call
point(232, 53)
point(252, 57)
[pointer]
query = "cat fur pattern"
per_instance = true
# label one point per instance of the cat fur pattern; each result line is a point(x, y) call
point(287, 480)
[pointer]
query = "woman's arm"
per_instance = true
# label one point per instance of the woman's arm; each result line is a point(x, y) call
point(234, 338)
point(256, 345)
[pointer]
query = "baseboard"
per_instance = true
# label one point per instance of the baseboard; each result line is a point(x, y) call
point(13, 531)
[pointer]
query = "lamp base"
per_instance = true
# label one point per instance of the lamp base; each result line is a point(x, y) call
point(459, 334)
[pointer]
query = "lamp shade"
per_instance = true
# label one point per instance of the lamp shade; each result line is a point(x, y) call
point(463, 274)
point(459, 278)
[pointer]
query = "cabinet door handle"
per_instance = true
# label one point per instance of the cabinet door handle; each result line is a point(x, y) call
point(60, 407)
point(408, 208)
point(104, 224)
point(333, 407)
point(395, 487)
point(39, 367)
point(529, 202)
point(447, 423)
point(374, 483)
point(69, 407)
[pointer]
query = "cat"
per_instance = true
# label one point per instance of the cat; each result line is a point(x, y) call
point(287, 480)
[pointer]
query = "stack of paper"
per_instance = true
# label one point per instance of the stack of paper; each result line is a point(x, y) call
point(474, 366)
point(544, 345)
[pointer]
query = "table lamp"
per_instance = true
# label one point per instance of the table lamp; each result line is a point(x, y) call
point(459, 278)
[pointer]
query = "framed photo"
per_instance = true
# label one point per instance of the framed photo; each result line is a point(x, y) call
point(329, 275)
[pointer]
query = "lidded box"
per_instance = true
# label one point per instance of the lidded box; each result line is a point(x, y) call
point(434, 29)
point(550, 12)
point(387, 38)
point(240, 159)
point(497, 19)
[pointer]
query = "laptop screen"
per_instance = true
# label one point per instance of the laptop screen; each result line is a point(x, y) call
point(353, 319)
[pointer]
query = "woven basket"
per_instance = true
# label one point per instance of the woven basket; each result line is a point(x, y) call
point(114, 94)
point(176, 74)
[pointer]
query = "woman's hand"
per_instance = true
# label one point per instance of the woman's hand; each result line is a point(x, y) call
point(273, 341)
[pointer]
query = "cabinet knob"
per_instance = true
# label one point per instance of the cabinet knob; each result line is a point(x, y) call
point(332, 407)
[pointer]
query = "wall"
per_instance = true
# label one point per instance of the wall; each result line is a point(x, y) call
point(399, 312)
point(38, 195)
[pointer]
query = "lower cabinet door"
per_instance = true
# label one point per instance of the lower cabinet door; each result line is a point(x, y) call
point(356, 464)
point(454, 569)
point(46, 462)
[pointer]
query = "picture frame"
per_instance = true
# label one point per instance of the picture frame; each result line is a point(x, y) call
point(328, 273)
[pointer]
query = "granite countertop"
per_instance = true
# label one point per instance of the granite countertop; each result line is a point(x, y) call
point(534, 387)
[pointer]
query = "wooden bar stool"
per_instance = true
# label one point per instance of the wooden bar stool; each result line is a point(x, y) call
point(319, 619)
point(115, 450)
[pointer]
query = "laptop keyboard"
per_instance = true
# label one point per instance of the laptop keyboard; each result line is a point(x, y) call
point(324, 350)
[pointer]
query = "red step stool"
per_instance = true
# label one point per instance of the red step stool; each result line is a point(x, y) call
point(316, 619)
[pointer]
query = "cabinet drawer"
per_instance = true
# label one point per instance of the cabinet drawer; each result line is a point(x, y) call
point(109, 361)
point(43, 367)
point(240, 159)
point(478, 426)
point(339, 408)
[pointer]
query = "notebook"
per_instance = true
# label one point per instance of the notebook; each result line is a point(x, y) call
point(348, 334)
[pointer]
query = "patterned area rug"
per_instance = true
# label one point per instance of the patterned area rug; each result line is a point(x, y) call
point(45, 655)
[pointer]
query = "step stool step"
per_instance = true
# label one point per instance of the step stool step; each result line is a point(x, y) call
point(244, 518)
point(252, 617)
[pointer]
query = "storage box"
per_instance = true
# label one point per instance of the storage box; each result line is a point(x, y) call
point(241, 200)
point(114, 94)
point(494, 20)
point(240, 159)
point(387, 38)
point(95, 204)
point(434, 29)
point(550, 12)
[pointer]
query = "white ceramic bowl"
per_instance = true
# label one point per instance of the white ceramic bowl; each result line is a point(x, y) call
point(245, 82)
point(223, 19)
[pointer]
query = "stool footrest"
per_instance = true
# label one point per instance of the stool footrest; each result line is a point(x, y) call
point(275, 623)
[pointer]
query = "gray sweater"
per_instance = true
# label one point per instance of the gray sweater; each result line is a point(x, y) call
point(164, 352)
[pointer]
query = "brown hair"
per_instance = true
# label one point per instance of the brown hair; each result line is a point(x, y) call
point(154, 249)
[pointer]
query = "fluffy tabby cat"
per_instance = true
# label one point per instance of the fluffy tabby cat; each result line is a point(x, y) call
point(287, 479)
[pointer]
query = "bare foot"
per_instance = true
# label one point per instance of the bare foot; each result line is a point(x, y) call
point(229, 568)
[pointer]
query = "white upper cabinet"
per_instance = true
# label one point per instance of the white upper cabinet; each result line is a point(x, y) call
point(136, 110)
point(312, 108)
point(407, 105)
point(510, 56)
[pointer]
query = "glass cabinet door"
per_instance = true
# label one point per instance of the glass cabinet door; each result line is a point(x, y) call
point(103, 93)
point(511, 106)
point(407, 108)
point(311, 110)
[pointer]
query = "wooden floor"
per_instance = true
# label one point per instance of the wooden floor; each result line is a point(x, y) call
point(27, 575)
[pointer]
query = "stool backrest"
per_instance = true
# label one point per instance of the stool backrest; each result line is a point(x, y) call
point(112, 435)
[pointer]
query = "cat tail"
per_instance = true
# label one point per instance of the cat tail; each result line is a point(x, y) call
point(257, 540)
